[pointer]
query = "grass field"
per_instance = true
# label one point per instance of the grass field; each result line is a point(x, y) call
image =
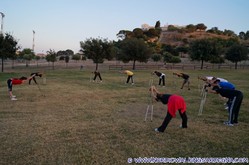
point(72, 121)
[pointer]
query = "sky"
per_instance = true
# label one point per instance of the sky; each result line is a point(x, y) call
point(62, 24)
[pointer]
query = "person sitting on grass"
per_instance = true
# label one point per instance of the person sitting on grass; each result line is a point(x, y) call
point(185, 79)
point(174, 103)
point(36, 74)
point(161, 77)
point(16, 81)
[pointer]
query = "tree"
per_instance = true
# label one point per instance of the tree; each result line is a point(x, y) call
point(158, 24)
point(51, 57)
point(242, 35)
point(76, 57)
point(168, 57)
point(97, 49)
point(156, 57)
point(134, 49)
point(8, 47)
point(237, 53)
point(201, 27)
point(190, 28)
point(138, 33)
point(27, 54)
point(204, 50)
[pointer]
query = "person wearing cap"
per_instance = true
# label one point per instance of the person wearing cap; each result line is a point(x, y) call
point(161, 77)
point(174, 103)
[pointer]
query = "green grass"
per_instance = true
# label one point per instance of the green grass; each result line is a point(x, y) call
point(73, 121)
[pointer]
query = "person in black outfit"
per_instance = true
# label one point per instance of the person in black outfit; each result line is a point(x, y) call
point(185, 79)
point(161, 77)
point(33, 75)
point(234, 106)
point(97, 74)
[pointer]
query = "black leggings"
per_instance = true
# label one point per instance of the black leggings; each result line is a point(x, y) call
point(97, 75)
point(169, 117)
point(128, 79)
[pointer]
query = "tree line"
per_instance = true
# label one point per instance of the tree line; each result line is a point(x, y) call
point(141, 45)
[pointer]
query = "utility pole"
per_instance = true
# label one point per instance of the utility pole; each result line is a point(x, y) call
point(2, 22)
point(2, 34)
point(33, 45)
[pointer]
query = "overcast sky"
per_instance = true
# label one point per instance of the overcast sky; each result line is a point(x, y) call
point(62, 24)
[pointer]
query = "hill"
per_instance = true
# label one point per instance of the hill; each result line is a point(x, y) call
point(176, 38)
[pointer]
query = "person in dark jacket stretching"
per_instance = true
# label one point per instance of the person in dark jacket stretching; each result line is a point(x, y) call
point(234, 106)
point(175, 103)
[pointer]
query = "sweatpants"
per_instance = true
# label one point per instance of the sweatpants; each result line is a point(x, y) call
point(234, 108)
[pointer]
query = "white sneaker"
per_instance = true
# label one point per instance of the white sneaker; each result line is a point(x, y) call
point(13, 98)
point(228, 123)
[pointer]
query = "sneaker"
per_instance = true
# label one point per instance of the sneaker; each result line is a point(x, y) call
point(180, 126)
point(156, 130)
point(13, 98)
point(228, 123)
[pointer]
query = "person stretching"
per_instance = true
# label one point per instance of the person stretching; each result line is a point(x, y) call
point(36, 74)
point(174, 103)
point(16, 81)
point(161, 77)
point(97, 74)
point(185, 79)
point(234, 106)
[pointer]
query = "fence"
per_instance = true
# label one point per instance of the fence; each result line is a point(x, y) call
point(179, 66)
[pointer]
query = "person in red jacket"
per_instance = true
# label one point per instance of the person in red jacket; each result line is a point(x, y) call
point(16, 81)
point(175, 103)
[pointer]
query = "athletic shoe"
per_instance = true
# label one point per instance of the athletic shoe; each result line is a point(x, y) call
point(180, 126)
point(156, 129)
point(228, 123)
point(13, 98)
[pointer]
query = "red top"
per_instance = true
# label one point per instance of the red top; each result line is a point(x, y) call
point(176, 103)
point(16, 81)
